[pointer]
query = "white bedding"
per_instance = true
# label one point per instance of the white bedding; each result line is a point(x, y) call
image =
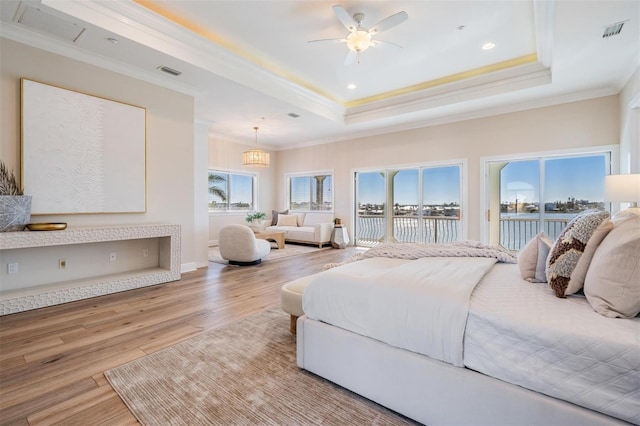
point(516, 331)
point(521, 333)
point(419, 305)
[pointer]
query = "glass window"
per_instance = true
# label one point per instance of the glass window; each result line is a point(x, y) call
point(231, 191)
point(370, 226)
point(441, 200)
point(424, 202)
point(543, 195)
point(311, 193)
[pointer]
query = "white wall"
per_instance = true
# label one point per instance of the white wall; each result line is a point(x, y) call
point(630, 125)
point(170, 135)
point(580, 124)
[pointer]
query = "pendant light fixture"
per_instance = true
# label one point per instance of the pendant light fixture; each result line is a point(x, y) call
point(255, 157)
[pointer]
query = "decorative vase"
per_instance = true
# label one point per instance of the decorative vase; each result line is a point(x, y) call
point(15, 212)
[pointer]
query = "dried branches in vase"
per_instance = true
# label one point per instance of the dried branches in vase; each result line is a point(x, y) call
point(8, 184)
point(15, 208)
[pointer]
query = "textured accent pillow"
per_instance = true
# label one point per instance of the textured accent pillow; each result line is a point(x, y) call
point(568, 248)
point(274, 216)
point(287, 220)
point(612, 284)
point(532, 258)
point(576, 281)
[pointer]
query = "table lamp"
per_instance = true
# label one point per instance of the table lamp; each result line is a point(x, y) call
point(624, 189)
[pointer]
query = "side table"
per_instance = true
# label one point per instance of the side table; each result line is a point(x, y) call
point(339, 237)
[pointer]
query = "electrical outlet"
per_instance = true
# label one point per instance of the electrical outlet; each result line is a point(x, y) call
point(12, 268)
point(62, 263)
point(145, 252)
point(112, 256)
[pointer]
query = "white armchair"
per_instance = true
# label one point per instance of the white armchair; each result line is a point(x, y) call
point(239, 245)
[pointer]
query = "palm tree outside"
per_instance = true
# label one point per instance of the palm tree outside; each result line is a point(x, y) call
point(214, 188)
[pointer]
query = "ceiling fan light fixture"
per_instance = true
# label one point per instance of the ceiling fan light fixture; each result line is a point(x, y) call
point(359, 40)
point(255, 157)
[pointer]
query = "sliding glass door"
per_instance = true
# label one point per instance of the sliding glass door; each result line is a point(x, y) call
point(421, 205)
point(542, 195)
point(371, 208)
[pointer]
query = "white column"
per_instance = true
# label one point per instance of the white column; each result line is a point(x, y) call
point(200, 185)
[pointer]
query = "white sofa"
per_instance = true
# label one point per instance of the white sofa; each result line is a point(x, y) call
point(311, 228)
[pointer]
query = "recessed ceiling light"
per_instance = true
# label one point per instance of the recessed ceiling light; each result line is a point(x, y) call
point(351, 86)
point(488, 46)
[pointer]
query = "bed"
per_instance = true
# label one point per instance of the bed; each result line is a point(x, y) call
point(521, 355)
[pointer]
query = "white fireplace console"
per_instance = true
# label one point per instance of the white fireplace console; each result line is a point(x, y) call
point(44, 268)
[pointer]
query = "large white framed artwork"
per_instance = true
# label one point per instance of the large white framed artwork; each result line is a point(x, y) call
point(81, 153)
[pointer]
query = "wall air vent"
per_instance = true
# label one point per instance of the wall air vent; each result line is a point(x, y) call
point(168, 70)
point(44, 22)
point(613, 29)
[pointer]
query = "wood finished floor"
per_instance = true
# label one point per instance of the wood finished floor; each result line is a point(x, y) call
point(52, 360)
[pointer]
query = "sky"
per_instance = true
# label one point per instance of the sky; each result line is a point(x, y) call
point(580, 177)
point(441, 185)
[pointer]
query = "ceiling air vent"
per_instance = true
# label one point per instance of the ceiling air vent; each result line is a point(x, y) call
point(613, 29)
point(168, 70)
point(45, 22)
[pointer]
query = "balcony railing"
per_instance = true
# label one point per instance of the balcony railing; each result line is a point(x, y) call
point(514, 232)
point(370, 229)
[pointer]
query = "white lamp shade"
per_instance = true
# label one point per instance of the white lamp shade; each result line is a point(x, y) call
point(622, 188)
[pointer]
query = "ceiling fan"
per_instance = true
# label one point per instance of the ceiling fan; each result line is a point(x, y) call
point(358, 38)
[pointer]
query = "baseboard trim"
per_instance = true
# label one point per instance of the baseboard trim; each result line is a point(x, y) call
point(187, 267)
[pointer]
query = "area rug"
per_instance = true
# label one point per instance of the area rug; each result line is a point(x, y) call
point(242, 374)
point(289, 250)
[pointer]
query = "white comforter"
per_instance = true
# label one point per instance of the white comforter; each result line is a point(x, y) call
point(428, 317)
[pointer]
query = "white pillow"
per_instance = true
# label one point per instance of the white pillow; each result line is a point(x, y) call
point(612, 284)
point(287, 220)
point(576, 282)
point(532, 258)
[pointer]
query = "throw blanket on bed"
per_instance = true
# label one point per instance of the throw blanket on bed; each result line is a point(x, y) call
point(417, 251)
point(420, 305)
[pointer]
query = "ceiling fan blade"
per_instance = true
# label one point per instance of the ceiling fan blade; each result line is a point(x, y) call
point(329, 40)
point(389, 22)
point(382, 43)
point(344, 17)
point(351, 58)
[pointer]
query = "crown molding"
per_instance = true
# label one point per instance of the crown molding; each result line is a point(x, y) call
point(498, 82)
point(465, 116)
point(40, 41)
point(132, 21)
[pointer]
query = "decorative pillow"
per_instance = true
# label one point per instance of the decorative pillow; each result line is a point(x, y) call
point(274, 216)
point(612, 284)
point(287, 220)
point(576, 281)
point(532, 258)
point(568, 248)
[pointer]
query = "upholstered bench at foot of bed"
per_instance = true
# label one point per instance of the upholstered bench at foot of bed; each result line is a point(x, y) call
point(291, 299)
